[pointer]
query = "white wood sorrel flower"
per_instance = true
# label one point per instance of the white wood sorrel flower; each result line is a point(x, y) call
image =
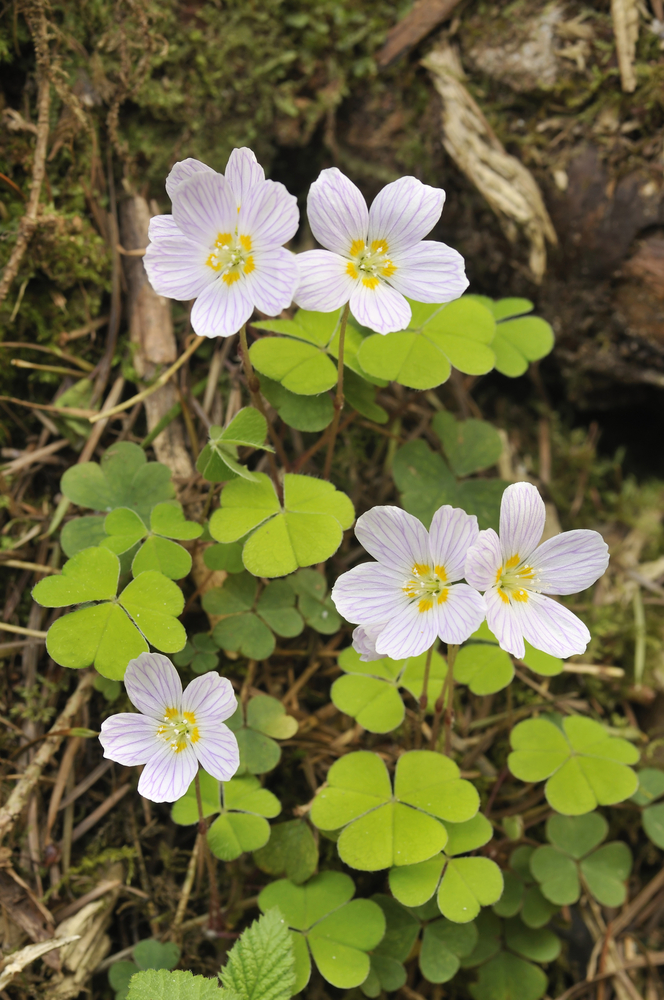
point(223, 243)
point(175, 731)
point(376, 256)
point(410, 596)
point(516, 572)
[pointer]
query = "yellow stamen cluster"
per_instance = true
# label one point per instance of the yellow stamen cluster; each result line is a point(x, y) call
point(427, 586)
point(179, 729)
point(231, 257)
point(370, 263)
point(510, 579)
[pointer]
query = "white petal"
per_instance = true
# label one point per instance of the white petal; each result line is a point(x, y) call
point(460, 614)
point(484, 560)
point(364, 641)
point(404, 212)
point(176, 267)
point(323, 283)
point(269, 215)
point(204, 206)
point(337, 211)
point(393, 537)
point(503, 622)
point(429, 272)
point(221, 309)
point(369, 593)
point(451, 535)
point(522, 515)
point(570, 562)
point(153, 685)
point(409, 633)
point(162, 225)
point(381, 308)
point(218, 752)
point(243, 172)
point(182, 171)
point(129, 738)
point(210, 697)
point(272, 284)
point(550, 626)
point(167, 775)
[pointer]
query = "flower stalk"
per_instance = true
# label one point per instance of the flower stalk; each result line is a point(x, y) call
point(339, 395)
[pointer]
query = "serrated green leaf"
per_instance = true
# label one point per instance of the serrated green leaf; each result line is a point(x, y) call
point(261, 965)
point(470, 445)
point(82, 533)
point(467, 885)
point(160, 984)
point(290, 851)
point(90, 575)
point(124, 479)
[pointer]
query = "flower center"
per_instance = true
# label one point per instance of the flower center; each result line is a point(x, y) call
point(231, 257)
point(370, 263)
point(514, 580)
point(426, 586)
point(179, 729)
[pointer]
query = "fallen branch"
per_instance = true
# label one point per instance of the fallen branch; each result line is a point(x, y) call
point(36, 18)
point(18, 799)
point(416, 25)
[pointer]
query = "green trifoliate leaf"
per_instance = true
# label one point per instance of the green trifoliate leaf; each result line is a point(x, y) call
point(119, 976)
point(508, 977)
point(268, 716)
point(382, 828)
point(154, 602)
point(339, 930)
point(557, 875)
point(467, 885)
point(536, 910)
point(470, 445)
point(82, 533)
point(91, 575)
point(308, 529)
point(484, 667)
point(653, 824)
point(218, 460)
point(489, 930)
point(266, 720)
point(314, 603)
point(651, 786)
point(414, 885)
point(226, 557)
point(261, 965)
point(102, 635)
point(185, 810)
point(201, 654)
point(290, 851)
point(511, 899)
point(540, 945)
point(247, 622)
point(576, 835)
point(468, 836)
point(401, 929)
point(125, 478)
point(584, 765)
point(605, 872)
point(123, 528)
point(233, 833)
point(361, 396)
point(438, 337)
point(444, 944)
point(163, 556)
point(164, 985)
point(541, 662)
point(168, 519)
point(304, 413)
point(519, 339)
point(152, 954)
point(426, 483)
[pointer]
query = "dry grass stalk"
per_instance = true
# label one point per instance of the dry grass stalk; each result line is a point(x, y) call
point(510, 189)
point(625, 16)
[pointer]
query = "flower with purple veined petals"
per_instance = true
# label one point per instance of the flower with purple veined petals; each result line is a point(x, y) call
point(223, 244)
point(376, 256)
point(516, 572)
point(176, 731)
point(410, 596)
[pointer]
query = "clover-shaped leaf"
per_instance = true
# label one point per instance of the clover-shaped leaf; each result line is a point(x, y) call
point(224, 557)
point(382, 828)
point(314, 603)
point(82, 533)
point(482, 664)
point(584, 765)
point(124, 478)
point(401, 931)
point(519, 339)
point(218, 460)
point(576, 856)
point(369, 692)
point(124, 529)
point(521, 895)
point(290, 851)
point(201, 654)
point(243, 806)
point(426, 483)
point(304, 413)
point(335, 929)
point(265, 722)
point(502, 953)
point(444, 944)
point(470, 445)
point(651, 788)
point(248, 620)
point(114, 631)
point(148, 954)
point(437, 337)
point(541, 662)
point(307, 530)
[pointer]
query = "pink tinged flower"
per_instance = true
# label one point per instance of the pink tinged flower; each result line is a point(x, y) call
point(376, 256)
point(516, 572)
point(223, 244)
point(176, 731)
point(410, 596)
